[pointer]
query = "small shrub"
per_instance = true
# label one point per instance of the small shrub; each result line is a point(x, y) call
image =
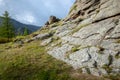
point(88, 70)
point(18, 38)
point(118, 41)
point(110, 58)
point(117, 56)
point(5, 40)
point(95, 64)
point(107, 68)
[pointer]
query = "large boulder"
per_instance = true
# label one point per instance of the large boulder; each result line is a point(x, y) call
point(52, 20)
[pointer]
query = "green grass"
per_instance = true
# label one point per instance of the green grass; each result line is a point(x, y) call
point(31, 62)
point(113, 77)
point(107, 68)
point(75, 48)
point(117, 56)
point(4, 40)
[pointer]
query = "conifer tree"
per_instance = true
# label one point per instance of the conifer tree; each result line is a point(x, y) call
point(6, 29)
point(26, 31)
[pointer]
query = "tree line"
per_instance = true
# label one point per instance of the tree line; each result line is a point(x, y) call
point(7, 29)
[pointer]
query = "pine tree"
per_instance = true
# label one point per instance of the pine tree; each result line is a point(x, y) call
point(26, 31)
point(6, 29)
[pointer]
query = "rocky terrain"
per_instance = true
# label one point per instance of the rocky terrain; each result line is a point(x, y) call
point(85, 45)
point(88, 38)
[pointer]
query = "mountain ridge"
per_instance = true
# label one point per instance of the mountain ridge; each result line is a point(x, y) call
point(19, 27)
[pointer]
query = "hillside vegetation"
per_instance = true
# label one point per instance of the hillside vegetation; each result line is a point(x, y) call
point(30, 62)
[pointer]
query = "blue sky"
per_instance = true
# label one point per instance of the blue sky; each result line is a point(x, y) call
point(35, 12)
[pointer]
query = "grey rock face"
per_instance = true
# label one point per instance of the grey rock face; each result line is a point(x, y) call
point(92, 28)
point(46, 42)
point(42, 36)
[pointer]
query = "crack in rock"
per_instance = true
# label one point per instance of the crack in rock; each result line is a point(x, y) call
point(90, 35)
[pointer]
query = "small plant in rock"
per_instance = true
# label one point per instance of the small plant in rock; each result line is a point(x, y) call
point(88, 70)
point(95, 64)
point(107, 68)
point(117, 56)
point(118, 41)
point(74, 49)
point(79, 70)
point(110, 59)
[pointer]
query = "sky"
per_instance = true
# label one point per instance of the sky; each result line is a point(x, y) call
point(35, 12)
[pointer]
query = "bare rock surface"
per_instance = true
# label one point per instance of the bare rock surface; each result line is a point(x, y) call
point(89, 37)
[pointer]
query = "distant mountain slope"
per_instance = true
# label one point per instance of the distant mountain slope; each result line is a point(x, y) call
point(19, 27)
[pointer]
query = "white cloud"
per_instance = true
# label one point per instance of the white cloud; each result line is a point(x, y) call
point(29, 18)
point(26, 18)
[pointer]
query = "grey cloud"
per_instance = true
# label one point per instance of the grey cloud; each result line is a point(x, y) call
point(35, 11)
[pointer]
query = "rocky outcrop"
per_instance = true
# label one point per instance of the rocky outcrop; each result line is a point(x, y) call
point(89, 37)
point(39, 36)
point(52, 20)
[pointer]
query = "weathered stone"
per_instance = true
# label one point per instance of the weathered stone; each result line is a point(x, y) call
point(46, 42)
point(63, 33)
point(19, 42)
point(59, 52)
point(28, 40)
point(42, 36)
point(53, 19)
point(47, 23)
point(97, 35)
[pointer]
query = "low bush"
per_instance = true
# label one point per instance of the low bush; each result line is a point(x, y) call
point(4, 40)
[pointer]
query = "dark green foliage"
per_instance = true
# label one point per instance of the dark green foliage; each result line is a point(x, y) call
point(6, 30)
point(88, 70)
point(107, 68)
point(26, 31)
point(117, 56)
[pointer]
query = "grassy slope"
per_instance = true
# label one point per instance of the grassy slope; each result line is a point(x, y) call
point(30, 62)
